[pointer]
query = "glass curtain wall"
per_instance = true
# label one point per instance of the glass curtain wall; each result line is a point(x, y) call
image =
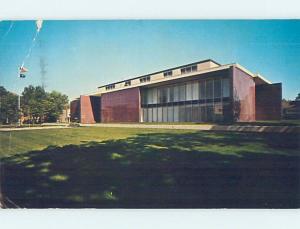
point(195, 101)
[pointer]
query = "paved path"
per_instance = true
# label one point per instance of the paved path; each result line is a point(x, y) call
point(236, 128)
point(32, 128)
point(269, 129)
point(154, 126)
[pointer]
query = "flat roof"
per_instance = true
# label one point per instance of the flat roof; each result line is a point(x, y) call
point(168, 69)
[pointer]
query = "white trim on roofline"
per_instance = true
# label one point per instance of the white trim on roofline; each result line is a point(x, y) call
point(213, 69)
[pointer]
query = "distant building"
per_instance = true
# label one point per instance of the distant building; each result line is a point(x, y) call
point(204, 91)
point(291, 110)
point(65, 115)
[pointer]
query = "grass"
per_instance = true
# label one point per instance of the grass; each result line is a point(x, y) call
point(149, 168)
point(23, 141)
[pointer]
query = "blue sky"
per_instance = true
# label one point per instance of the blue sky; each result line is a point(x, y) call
point(82, 55)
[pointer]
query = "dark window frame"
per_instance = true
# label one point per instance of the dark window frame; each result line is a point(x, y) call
point(127, 83)
point(145, 79)
point(188, 69)
point(110, 87)
point(168, 73)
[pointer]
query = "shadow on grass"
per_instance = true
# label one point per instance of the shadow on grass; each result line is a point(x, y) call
point(158, 170)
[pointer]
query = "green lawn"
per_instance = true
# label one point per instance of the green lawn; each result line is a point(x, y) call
point(146, 168)
point(23, 141)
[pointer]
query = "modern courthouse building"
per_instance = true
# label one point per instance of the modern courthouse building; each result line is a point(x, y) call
point(205, 91)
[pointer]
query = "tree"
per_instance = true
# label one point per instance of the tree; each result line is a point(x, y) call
point(33, 103)
point(39, 106)
point(55, 104)
point(8, 106)
point(298, 97)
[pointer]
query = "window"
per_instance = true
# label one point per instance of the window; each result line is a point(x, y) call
point(176, 114)
point(168, 73)
point(217, 88)
point(159, 95)
point(209, 113)
point(171, 94)
point(164, 95)
point(195, 89)
point(182, 116)
point(155, 99)
point(110, 87)
point(225, 88)
point(209, 89)
point(145, 115)
point(194, 68)
point(188, 69)
point(154, 114)
point(144, 97)
point(176, 93)
point(195, 113)
point(189, 91)
point(202, 90)
point(188, 112)
point(165, 114)
point(149, 97)
point(170, 114)
point(159, 114)
point(203, 115)
point(127, 83)
point(218, 112)
point(145, 79)
point(182, 92)
point(149, 116)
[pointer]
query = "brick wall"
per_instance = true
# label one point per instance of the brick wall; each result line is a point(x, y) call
point(121, 106)
point(87, 114)
point(268, 101)
point(243, 96)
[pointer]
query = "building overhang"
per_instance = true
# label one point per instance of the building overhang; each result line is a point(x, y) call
point(258, 79)
point(168, 79)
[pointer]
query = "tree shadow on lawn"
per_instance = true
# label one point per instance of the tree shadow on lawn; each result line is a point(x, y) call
point(157, 170)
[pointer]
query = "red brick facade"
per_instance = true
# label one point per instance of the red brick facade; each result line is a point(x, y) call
point(268, 101)
point(86, 110)
point(121, 106)
point(90, 109)
point(243, 96)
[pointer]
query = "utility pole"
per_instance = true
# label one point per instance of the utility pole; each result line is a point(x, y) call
point(19, 101)
point(19, 110)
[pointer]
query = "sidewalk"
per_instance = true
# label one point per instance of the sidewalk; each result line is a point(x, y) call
point(32, 128)
point(205, 127)
point(264, 129)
